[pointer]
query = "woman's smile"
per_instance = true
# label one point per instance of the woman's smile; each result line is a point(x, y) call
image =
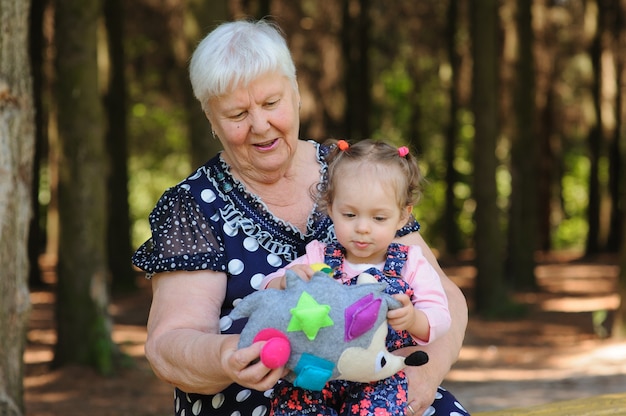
point(268, 145)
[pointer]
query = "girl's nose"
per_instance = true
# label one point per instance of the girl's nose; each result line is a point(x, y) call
point(362, 226)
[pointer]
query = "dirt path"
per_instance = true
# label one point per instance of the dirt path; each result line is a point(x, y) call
point(554, 353)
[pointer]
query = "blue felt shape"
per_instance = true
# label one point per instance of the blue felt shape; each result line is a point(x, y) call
point(312, 372)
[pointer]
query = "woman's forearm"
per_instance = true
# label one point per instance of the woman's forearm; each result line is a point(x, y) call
point(184, 346)
point(444, 351)
point(190, 360)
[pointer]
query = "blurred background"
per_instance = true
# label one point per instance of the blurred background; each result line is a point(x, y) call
point(515, 109)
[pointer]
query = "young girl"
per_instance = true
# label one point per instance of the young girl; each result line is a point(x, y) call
point(370, 193)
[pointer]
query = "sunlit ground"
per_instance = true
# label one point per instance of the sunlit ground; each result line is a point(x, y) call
point(559, 352)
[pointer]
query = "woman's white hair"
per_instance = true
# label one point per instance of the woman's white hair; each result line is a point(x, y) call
point(236, 53)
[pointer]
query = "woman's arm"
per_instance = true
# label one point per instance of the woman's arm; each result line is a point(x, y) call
point(184, 344)
point(444, 351)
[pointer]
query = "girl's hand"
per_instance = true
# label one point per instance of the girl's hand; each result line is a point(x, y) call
point(303, 270)
point(402, 318)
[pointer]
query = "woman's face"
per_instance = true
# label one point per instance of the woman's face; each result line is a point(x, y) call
point(258, 126)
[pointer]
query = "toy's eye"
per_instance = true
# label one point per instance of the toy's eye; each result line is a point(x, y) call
point(361, 316)
point(381, 361)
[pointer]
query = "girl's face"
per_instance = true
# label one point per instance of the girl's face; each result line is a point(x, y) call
point(258, 126)
point(366, 214)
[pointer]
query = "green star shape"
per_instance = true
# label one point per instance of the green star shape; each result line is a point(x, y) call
point(309, 316)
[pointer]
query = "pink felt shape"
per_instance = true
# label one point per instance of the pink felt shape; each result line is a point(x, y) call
point(276, 351)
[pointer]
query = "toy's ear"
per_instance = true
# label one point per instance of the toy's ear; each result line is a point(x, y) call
point(365, 278)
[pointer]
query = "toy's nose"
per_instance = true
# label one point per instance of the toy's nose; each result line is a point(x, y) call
point(416, 359)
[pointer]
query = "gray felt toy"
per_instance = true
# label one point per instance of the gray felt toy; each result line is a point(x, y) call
point(322, 330)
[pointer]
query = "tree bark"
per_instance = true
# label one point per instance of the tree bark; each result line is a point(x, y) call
point(523, 217)
point(619, 323)
point(355, 41)
point(488, 236)
point(594, 140)
point(202, 16)
point(451, 210)
point(118, 237)
point(83, 325)
point(17, 141)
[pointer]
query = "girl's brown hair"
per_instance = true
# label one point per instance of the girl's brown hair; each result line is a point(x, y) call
point(375, 154)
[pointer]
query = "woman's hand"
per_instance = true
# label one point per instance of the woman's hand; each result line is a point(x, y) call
point(244, 367)
point(423, 386)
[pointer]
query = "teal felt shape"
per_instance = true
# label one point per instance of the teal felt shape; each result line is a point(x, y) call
point(312, 372)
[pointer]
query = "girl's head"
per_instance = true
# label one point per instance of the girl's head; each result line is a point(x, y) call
point(378, 161)
point(369, 194)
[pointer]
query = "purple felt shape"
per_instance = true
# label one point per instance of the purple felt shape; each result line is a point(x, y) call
point(361, 316)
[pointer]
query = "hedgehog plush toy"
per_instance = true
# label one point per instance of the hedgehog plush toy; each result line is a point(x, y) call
point(322, 330)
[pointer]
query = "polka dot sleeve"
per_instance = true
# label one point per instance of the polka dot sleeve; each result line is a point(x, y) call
point(182, 238)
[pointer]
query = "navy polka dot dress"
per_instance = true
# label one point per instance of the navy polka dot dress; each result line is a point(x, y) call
point(210, 222)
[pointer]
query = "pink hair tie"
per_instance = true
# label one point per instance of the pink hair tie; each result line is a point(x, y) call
point(403, 151)
point(343, 145)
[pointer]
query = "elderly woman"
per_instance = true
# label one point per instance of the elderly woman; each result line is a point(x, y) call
point(248, 211)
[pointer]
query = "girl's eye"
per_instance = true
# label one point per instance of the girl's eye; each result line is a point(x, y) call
point(348, 215)
point(380, 219)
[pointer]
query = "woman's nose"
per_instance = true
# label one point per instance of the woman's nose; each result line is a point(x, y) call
point(259, 122)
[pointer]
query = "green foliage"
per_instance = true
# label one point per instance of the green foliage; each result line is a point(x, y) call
point(571, 231)
point(158, 159)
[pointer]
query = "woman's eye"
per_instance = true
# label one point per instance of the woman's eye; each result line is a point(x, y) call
point(238, 116)
point(273, 103)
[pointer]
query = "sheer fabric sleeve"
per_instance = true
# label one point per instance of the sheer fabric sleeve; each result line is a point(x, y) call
point(182, 237)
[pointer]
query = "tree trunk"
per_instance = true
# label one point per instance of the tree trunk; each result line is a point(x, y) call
point(594, 140)
point(118, 238)
point(36, 239)
point(17, 141)
point(619, 323)
point(488, 236)
point(355, 43)
point(83, 325)
point(523, 217)
point(202, 16)
point(616, 163)
point(452, 235)
point(548, 69)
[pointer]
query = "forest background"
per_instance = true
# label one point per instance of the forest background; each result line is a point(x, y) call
point(515, 109)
